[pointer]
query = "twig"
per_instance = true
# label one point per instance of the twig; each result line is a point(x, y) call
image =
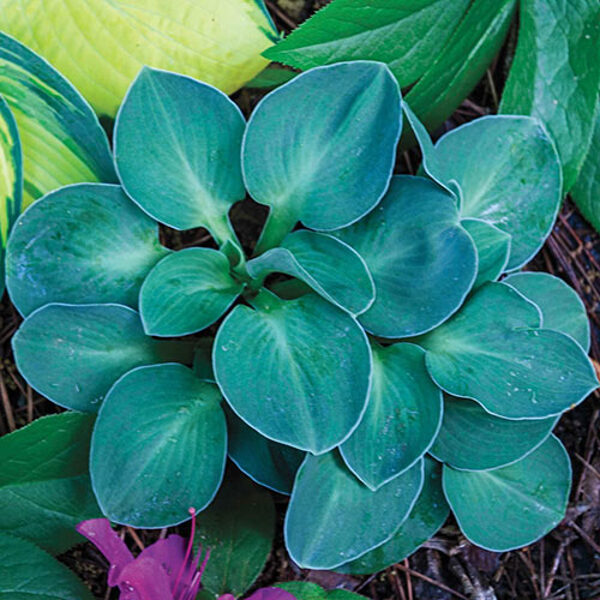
point(10, 419)
point(430, 581)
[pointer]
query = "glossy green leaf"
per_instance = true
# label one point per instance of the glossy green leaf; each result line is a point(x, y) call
point(186, 292)
point(493, 249)
point(177, 151)
point(306, 590)
point(555, 75)
point(402, 418)
point(562, 309)
point(72, 354)
point(238, 527)
point(492, 351)
point(331, 267)
point(474, 440)
point(427, 516)
point(28, 573)
point(44, 484)
point(100, 46)
point(415, 248)
point(274, 365)
point(61, 137)
point(514, 506)
point(324, 486)
point(171, 450)
point(343, 147)
point(83, 243)
point(509, 175)
point(271, 464)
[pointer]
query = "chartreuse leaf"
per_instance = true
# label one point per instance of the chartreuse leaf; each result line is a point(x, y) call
point(11, 179)
point(493, 249)
point(513, 506)
point(343, 147)
point(271, 464)
point(415, 248)
point(492, 351)
point(171, 450)
point(306, 590)
point(555, 74)
point(186, 292)
point(472, 439)
point(331, 267)
point(273, 364)
point(72, 354)
point(61, 138)
point(177, 151)
point(44, 484)
point(427, 516)
point(29, 573)
point(238, 527)
point(100, 46)
point(562, 309)
point(509, 175)
point(82, 243)
point(402, 418)
point(368, 519)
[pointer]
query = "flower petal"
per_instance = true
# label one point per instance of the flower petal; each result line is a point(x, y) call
point(144, 579)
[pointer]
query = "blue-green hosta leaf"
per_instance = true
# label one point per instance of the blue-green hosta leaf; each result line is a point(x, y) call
point(61, 138)
point(177, 151)
point(509, 175)
point(171, 450)
point(81, 244)
point(306, 590)
point(331, 267)
point(29, 573)
point(343, 147)
point(562, 309)
point(513, 506)
point(271, 464)
point(474, 440)
point(494, 352)
point(274, 362)
point(44, 483)
point(346, 518)
point(186, 292)
point(415, 248)
point(402, 418)
point(428, 514)
point(72, 354)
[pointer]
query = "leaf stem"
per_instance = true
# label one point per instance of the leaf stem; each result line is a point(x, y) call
point(275, 229)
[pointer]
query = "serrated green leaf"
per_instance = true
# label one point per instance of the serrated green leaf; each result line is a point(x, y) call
point(171, 450)
point(305, 590)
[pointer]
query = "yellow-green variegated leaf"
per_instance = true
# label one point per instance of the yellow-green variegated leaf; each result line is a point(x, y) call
point(100, 46)
point(61, 137)
point(11, 179)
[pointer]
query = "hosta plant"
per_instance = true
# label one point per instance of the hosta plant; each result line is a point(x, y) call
point(362, 355)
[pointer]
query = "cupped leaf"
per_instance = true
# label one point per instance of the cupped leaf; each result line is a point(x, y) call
point(274, 365)
point(177, 151)
point(29, 573)
point(44, 484)
point(514, 506)
point(81, 244)
point(415, 248)
point(72, 354)
point(509, 175)
point(100, 46)
point(331, 267)
point(61, 137)
point(343, 147)
point(427, 516)
point(186, 292)
point(346, 518)
point(238, 528)
point(562, 309)
point(402, 418)
point(472, 439)
point(268, 463)
point(306, 590)
point(492, 351)
point(171, 450)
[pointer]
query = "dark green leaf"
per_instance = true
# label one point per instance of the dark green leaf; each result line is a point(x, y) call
point(305, 590)
point(271, 77)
